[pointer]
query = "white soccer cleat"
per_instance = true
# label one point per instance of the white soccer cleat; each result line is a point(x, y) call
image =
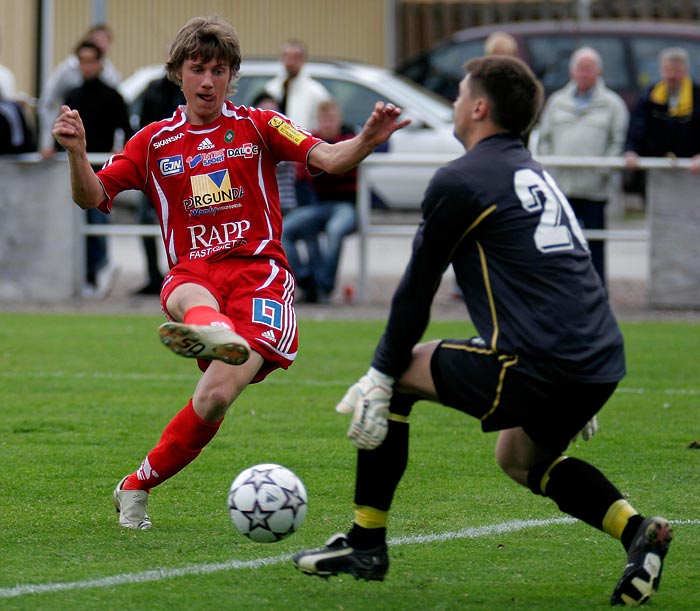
point(207, 342)
point(131, 507)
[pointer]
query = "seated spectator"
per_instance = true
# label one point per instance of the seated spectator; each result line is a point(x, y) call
point(286, 170)
point(331, 216)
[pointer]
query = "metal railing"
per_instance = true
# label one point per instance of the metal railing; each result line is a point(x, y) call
point(368, 229)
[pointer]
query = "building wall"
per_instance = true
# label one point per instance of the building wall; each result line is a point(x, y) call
point(143, 29)
point(19, 41)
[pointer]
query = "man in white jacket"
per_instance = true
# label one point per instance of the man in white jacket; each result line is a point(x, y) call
point(297, 93)
point(585, 118)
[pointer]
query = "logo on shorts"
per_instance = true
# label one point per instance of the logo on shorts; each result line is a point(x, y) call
point(268, 312)
point(269, 335)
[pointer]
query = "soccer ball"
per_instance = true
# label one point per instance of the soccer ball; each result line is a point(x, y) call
point(267, 503)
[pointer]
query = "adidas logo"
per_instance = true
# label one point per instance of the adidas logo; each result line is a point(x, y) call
point(269, 334)
point(205, 145)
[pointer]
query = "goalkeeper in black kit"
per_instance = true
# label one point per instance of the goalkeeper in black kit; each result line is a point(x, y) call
point(549, 352)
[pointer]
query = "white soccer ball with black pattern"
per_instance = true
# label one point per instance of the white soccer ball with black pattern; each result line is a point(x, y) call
point(267, 503)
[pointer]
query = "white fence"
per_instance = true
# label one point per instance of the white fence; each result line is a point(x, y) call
point(672, 203)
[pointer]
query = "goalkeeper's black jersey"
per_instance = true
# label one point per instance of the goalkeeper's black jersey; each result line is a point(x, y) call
point(521, 262)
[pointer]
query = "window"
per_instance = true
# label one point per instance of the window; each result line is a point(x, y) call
point(550, 55)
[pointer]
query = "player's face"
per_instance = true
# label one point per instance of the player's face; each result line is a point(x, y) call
point(463, 106)
point(204, 87)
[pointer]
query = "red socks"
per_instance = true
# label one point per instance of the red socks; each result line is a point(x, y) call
point(186, 434)
point(181, 442)
point(206, 315)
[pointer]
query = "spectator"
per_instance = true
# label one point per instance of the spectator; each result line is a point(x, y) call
point(104, 112)
point(15, 134)
point(160, 100)
point(67, 76)
point(286, 170)
point(323, 224)
point(501, 43)
point(229, 294)
point(665, 121)
point(298, 94)
point(585, 118)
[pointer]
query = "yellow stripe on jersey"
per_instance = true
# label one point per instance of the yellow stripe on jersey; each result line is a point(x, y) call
point(616, 518)
point(471, 227)
point(369, 517)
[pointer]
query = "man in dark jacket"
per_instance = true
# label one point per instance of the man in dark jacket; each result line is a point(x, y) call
point(666, 119)
point(104, 112)
point(160, 100)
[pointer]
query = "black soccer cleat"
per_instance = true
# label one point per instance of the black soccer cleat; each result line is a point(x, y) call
point(645, 559)
point(338, 557)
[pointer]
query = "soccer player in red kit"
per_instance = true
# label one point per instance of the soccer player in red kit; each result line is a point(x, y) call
point(210, 171)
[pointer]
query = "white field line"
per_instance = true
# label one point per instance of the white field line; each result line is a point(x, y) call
point(169, 377)
point(206, 569)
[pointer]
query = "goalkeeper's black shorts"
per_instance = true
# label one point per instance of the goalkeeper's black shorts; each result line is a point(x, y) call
point(470, 377)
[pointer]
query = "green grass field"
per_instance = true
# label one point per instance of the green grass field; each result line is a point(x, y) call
point(85, 397)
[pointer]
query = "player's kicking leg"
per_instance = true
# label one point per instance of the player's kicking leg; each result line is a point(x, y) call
point(131, 507)
point(645, 559)
point(207, 342)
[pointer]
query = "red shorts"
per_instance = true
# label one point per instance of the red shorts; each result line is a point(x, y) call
point(256, 294)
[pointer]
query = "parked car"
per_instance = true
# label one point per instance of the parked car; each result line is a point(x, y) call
point(357, 87)
point(629, 50)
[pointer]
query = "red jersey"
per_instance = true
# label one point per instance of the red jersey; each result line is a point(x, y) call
point(213, 186)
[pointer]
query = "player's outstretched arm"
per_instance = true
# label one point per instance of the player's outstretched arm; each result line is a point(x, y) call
point(69, 131)
point(342, 156)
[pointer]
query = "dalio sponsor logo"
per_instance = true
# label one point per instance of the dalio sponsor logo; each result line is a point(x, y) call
point(170, 166)
point(164, 141)
point(247, 150)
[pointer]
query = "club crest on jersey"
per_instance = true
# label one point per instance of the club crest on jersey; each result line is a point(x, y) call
point(229, 136)
point(211, 190)
point(290, 132)
point(170, 166)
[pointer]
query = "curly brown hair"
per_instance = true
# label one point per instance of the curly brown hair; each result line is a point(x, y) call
point(205, 38)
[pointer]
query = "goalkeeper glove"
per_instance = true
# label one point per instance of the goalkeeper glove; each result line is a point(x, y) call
point(588, 430)
point(368, 401)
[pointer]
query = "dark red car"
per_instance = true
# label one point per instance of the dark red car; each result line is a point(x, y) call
point(629, 50)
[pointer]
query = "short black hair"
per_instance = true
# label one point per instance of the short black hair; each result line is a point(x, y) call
point(514, 93)
point(88, 44)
